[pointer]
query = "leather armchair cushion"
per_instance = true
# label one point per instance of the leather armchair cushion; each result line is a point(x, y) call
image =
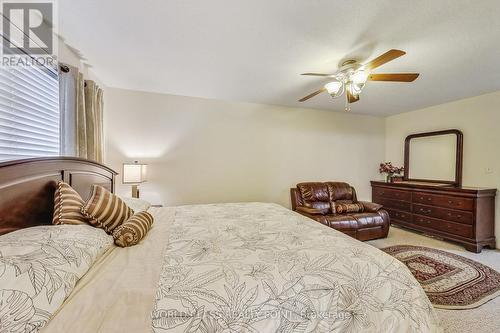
point(368, 220)
point(313, 211)
point(340, 191)
point(315, 195)
point(311, 192)
point(342, 222)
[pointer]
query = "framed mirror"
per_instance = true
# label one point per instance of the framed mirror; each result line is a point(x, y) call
point(434, 157)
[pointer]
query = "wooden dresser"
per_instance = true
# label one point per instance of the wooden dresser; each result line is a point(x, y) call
point(461, 214)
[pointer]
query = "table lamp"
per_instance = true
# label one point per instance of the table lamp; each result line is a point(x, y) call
point(134, 174)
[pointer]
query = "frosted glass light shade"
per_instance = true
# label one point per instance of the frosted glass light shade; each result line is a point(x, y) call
point(333, 87)
point(358, 81)
point(134, 173)
point(360, 77)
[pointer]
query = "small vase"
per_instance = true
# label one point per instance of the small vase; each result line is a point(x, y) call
point(388, 178)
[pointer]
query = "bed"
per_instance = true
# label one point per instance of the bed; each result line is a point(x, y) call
point(237, 267)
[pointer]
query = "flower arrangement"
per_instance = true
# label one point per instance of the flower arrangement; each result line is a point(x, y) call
point(390, 170)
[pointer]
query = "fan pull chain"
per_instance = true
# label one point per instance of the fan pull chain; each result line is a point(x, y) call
point(347, 105)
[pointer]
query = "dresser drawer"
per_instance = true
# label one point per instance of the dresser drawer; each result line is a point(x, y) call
point(392, 194)
point(394, 204)
point(444, 201)
point(451, 228)
point(400, 216)
point(443, 213)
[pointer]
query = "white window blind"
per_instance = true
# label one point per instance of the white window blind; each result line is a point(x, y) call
point(29, 112)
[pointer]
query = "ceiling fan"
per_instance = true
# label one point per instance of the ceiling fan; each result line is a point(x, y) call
point(352, 76)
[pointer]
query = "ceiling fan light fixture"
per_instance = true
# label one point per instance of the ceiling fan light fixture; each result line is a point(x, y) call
point(334, 88)
point(352, 76)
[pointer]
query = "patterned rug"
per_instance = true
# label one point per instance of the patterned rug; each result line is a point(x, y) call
point(449, 280)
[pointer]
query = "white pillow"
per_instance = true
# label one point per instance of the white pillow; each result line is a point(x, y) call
point(137, 205)
point(39, 268)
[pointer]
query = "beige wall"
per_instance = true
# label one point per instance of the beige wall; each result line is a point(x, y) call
point(204, 151)
point(478, 118)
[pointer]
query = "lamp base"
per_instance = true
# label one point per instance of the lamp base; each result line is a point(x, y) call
point(135, 191)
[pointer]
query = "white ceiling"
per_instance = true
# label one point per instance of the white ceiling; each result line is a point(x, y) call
point(254, 50)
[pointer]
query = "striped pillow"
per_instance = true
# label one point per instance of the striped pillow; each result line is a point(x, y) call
point(131, 232)
point(106, 210)
point(67, 206)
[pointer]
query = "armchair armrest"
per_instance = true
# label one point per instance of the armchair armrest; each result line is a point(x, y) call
point(370, 206)
point(312, 211)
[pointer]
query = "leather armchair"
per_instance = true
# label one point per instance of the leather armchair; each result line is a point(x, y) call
point(320, 202)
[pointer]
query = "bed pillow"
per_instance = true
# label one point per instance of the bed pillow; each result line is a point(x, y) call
point(131, 232)
point(106, 210)
point(137, 205)
point(39, 268)
point(67, 206)
point(345, 208)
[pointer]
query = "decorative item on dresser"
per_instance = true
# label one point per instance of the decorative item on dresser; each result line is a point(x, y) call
point(464, 215)
point(390, 170)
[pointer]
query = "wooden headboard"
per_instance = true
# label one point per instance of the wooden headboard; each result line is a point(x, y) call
point(27, 187)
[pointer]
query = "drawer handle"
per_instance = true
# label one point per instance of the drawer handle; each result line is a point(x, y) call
point(428, 211)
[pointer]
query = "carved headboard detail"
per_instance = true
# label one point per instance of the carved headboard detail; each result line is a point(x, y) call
point(27, 187)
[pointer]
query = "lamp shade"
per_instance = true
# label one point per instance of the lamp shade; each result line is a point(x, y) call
point(333, 87)
point(134, 173)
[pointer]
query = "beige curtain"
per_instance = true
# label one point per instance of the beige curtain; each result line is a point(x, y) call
point(90, 137)
point(82, 116)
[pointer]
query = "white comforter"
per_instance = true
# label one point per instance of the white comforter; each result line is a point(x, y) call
point(262, 268)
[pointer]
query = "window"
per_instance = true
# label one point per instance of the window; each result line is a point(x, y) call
point(29, 112)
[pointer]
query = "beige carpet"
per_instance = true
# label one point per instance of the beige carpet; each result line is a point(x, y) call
point(485, 318)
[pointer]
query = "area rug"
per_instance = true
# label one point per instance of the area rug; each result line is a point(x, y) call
point(449, 280)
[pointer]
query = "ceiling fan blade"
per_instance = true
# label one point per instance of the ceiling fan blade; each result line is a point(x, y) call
point(350, 97)
point(316, 74)
point(397, 77)
point(312, 95)
point(384, 58)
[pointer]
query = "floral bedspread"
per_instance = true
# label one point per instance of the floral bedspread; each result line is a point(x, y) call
point(258, 267)
point(39, 268)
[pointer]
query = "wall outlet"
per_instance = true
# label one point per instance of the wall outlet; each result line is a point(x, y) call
point(488, 171)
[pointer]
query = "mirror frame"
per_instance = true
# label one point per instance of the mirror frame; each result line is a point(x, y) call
point(459, 157)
